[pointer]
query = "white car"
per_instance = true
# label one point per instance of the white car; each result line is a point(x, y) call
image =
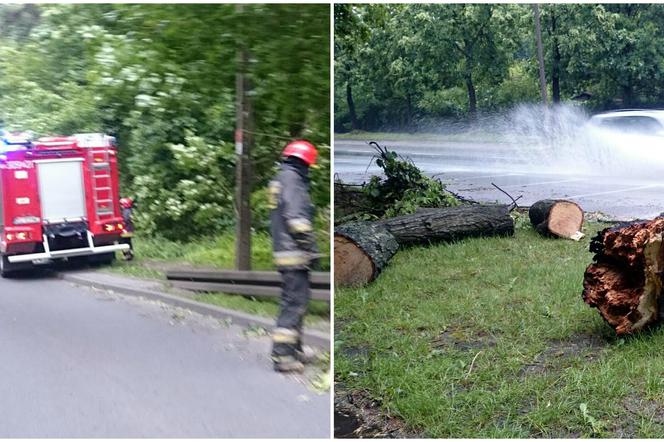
point(625, 142)
point(631, 121)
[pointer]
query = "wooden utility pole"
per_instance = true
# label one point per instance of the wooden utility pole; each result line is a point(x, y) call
point(243, 143)
point(540, 52)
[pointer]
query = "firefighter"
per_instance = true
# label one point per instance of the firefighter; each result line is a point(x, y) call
point(295, 251)
point(127, 205)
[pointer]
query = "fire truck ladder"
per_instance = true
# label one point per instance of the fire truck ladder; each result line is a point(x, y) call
point(101, 183)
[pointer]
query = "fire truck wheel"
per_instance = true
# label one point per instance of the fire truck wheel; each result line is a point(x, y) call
point(6, 270)
point(102, 259)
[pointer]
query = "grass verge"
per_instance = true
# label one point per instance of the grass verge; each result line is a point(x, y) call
point(153, 254)
point(490, 338)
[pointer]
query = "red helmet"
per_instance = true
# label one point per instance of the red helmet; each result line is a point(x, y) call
point(301, 149)
point(126, 203)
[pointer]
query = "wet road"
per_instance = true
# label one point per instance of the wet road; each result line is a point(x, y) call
point(469, 168)
point(76, 362)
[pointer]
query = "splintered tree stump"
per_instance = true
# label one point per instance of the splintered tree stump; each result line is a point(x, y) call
point(625, 281)
point(450, 223)
point(559, 218)
point(361, 250)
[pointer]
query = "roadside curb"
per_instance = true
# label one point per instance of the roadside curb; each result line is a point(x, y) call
point(311, 337)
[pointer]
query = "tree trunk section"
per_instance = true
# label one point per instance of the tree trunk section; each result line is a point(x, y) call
point(472, 97)
point(470, 86)
point(351, 107)
point(628, 96)
point(555, 68)
point(540, 52)
point(625, 281)
point(450, 223)
point(560, 218)
point(361, 251)
point(408, 121)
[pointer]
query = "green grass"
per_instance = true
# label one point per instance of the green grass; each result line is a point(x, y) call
point(152, 253)
point(545, 364)
point(268, 307)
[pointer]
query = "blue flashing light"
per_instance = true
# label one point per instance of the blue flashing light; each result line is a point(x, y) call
point(15, 141)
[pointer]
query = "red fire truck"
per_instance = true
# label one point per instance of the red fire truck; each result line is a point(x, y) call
point(59, 199)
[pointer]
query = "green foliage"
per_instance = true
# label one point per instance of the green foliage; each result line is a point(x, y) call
point(411, 65)
point(521, 220)
point(518, 87)
point(161, 78)
point(443, 102)
point(404, 189)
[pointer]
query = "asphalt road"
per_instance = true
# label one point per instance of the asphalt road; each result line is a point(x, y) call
point(76, 362)
point(623, 185)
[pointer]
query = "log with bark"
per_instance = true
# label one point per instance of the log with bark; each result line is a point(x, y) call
point(559, 218)
point(625, 281)
point(361, 250)
point(450, 223)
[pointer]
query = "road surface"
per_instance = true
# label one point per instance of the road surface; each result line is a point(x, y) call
point(622, 189)
point(76, 362)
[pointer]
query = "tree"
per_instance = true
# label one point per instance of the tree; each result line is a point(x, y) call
point(402, 66)
point(469, 39)
point(161, 79)
point(540, 52)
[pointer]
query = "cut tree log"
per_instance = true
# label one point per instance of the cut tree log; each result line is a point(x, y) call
point(450, 223)
point(560, 218)
point(625, 281)
point(361, 250)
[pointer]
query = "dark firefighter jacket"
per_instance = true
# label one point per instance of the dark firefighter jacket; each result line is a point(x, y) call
point(291, 217)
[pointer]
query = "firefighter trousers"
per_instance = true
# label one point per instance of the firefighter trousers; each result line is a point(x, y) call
point(295, 294)
point(128, 254)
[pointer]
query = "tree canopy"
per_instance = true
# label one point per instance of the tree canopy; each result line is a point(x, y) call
point(161, 78)
point(403, 66)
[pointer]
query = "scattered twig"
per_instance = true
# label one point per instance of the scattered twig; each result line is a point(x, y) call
point(472, 364)
point(461, 197)
point(514, 201)
point(376, 147)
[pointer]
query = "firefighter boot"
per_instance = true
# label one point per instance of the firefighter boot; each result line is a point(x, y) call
point(306, 354)
point(284, 350)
